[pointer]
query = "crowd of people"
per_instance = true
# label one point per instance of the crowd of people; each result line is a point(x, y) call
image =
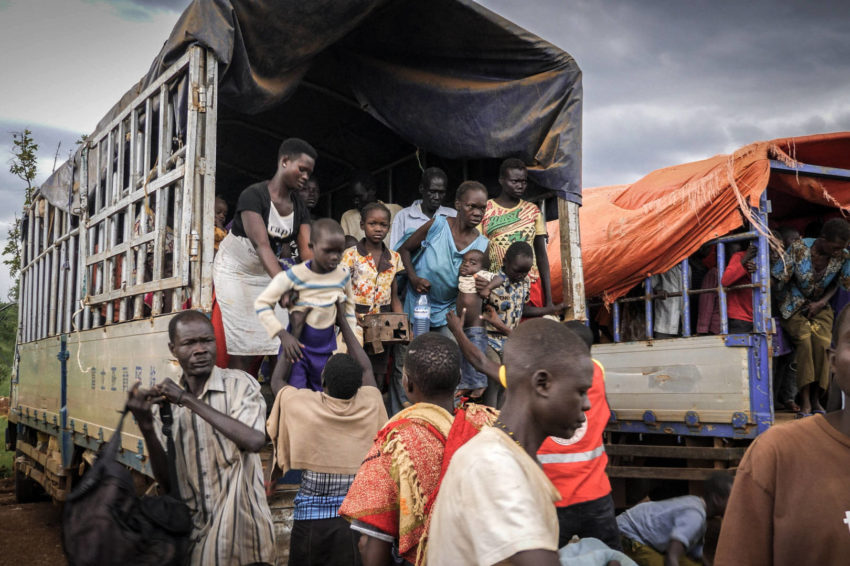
point(479, 442)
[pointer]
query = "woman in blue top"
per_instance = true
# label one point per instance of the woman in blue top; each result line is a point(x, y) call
point(443, 242)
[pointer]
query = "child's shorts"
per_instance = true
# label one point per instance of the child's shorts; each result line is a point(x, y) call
point(469, 377)
point(318, 347)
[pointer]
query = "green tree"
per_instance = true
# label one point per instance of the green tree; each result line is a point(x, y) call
point(8, 327)
point(24, 165)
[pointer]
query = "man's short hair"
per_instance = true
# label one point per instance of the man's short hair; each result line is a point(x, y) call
point(518, 249)
point(433, 364)
point(430, 174)
point(718, 485)
point(582, 331)
point(541, 343)
point(324, 226)
point(836, 230)
point(375, 206)
point(342, 376)
point(467, 186)
point(293, 147)
point(185, 316)
point(510, 163)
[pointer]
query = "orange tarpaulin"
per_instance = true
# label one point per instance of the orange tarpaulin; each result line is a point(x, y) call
point(629, 232)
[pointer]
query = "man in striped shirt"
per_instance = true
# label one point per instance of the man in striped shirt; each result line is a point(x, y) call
point(219, 428)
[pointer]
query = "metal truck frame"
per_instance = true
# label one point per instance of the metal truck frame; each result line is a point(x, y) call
point(101, 282)
point(144, 227)
point(683, 407)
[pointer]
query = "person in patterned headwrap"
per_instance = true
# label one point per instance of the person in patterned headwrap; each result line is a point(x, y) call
point(393, 491)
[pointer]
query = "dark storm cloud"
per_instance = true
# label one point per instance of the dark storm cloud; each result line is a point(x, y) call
point(666, 82)
point(47, 138)
point(143, 10)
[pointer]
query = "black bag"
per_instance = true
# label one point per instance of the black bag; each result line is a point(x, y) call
point(105, 523)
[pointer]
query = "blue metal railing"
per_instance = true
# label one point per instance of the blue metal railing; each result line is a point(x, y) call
point(760, 286)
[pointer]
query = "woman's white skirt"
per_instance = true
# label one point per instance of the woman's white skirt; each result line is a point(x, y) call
point(239, 278)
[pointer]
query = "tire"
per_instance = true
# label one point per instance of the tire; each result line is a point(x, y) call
point(27, 489)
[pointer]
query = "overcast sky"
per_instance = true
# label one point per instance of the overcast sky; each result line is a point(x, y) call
point(665, 82)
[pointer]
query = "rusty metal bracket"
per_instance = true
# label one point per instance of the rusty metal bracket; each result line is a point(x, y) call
point(194, 245)
point(199, 97)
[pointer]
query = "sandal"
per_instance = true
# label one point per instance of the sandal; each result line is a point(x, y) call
point(802, 415)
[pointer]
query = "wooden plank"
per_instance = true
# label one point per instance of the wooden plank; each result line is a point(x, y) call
point(683, 452)
point(203, 284)
point(139, 194)
point(571, 264)
point(154, 286)
point(661, 473)
point(119, 249)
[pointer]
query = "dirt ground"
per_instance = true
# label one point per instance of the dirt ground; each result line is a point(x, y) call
point(31, 532)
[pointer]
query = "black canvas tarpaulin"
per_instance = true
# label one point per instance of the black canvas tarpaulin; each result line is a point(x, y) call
point(448, 76)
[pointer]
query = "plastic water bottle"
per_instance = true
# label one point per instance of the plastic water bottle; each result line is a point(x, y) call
point(422, 316)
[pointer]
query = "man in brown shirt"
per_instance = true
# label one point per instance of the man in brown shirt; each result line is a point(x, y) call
point(790, 504)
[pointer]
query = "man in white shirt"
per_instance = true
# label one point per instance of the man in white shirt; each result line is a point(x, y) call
point(432, 187)
point(495, 504)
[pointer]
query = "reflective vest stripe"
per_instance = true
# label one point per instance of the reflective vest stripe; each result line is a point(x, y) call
point(572, 458)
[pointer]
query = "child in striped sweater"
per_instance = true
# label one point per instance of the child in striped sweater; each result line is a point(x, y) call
point(322, 286)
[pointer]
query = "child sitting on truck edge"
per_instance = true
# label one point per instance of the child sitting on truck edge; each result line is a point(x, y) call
point(671, 531)
point(322, 283)
point(469, 300)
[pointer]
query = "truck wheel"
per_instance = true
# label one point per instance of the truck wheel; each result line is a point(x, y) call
point(27, 489)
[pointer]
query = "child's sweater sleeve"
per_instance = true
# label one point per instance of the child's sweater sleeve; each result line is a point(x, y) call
point(264, 305)
point(349, 306)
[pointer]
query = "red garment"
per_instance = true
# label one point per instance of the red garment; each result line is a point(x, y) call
point(221, 358)
point(739, 303)
point(403, 470)
point(535, 294)
point(576, 466)
point(464, 427)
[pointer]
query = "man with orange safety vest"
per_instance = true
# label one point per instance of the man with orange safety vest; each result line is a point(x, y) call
point(576, 466)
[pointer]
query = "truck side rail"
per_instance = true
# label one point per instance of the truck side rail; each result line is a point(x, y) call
point(134, 246)
point(687, 385)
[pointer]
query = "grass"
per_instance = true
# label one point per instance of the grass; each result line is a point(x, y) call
point(6, 458)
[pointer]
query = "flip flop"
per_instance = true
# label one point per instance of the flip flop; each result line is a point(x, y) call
point(818, 412)
point(802, 415)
